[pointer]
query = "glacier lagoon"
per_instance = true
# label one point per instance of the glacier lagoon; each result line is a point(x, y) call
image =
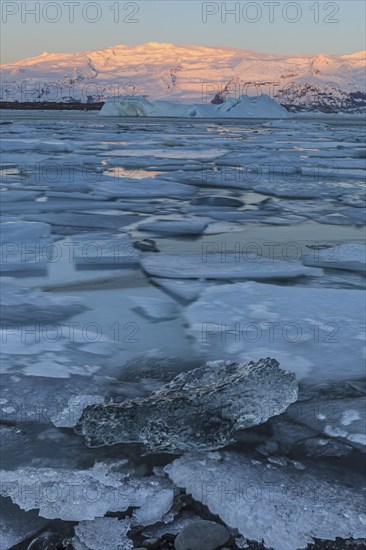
point(133, 252)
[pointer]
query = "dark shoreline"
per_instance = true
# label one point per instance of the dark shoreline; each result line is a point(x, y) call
point(42, 106)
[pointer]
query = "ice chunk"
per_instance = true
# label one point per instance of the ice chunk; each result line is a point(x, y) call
point(77, 495)
point(221, 266)
point(199, 410)
point(284, 506)
point(313, 336)
point(351, 257)
point(155, 508)
point(106, 533)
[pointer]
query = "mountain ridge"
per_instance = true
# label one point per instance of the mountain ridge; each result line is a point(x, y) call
point(189, 73)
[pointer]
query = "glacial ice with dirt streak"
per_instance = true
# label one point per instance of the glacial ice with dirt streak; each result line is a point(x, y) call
point(202, 409)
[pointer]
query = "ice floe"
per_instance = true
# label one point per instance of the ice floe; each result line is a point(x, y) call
point(19, 304)
point(104, 249)
point(304, 327)
point(106, 533)
point(226, 265)
point(350, 257)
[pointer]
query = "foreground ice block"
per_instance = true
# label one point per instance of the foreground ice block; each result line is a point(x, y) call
point(317, 333)
point(284, 506)
point(199, 410)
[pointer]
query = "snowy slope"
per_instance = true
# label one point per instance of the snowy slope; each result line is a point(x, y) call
point(188, 74)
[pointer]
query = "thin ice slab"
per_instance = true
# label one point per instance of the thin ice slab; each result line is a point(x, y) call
point(349, 257)
point(222, 266)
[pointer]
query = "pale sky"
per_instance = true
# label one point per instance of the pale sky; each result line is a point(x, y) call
point(30, 28)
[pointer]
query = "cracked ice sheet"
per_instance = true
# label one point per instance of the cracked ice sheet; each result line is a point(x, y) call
point(183, 289)
point(284, 506)
point(217, 266)
point(156, 308)
point(53, 351)
point(143, 189)
point(87, 494)
point(304, 328)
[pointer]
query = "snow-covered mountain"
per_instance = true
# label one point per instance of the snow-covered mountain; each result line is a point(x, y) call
point(188, 73)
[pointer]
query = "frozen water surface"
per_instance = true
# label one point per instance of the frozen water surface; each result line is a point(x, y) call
point(133, 250)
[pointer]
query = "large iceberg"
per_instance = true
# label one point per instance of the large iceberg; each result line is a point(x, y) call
point(241, 107)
